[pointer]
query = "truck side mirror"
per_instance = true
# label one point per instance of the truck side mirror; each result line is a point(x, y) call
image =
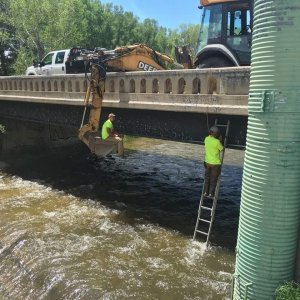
point(35, 63)
point(41, 64)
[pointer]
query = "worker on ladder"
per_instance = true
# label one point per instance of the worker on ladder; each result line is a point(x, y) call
point(212, 161)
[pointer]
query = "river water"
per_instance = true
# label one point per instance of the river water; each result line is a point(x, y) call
point(73, 226)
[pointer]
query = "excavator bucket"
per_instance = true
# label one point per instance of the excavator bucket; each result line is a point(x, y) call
point(183, 57)
point(102, 147)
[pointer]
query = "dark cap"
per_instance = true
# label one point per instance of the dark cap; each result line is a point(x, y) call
point(111, 115)
point(214, 129)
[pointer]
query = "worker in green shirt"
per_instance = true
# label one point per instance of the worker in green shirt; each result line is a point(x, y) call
point(108, 133)
point(212, 161)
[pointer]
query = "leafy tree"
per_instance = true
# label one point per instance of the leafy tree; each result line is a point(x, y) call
point(123, 25)
point(162, 40)
point(46, 25)
point(288, 291)
point(7, 40)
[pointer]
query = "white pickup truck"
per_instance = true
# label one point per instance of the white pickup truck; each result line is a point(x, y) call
point(58, 62)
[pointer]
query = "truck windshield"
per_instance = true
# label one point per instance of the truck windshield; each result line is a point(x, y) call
point(211, 26)
point(47, 60)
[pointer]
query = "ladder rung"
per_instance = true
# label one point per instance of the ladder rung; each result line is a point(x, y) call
point(207, 208)
point(221, 125)
point(203, 220)
point(202, 232)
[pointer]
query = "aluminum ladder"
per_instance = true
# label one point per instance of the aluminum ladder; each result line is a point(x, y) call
point(207, 205)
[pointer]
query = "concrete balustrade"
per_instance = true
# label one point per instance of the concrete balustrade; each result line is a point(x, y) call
point(223, 91)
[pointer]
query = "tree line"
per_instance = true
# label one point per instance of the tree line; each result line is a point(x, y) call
point(31, 28)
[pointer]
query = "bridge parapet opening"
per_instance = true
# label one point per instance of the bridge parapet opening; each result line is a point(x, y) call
point(111, 86)
point(122, 86)
point(196, 89)
point(70, 87)
point(132, 86)
point(181, 86)
point(168, 86)
point(155, 86)
point(85, 86)
point(212, 85)
point(143, 86)
point(77, 86)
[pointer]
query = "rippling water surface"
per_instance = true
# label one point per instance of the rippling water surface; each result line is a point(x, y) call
point(76, 227)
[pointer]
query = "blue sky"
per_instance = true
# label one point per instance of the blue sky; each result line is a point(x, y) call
point(168, 13)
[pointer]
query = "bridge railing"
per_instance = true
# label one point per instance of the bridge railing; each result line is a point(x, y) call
point(210, 90)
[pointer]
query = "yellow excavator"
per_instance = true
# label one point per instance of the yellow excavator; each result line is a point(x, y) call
point(136, 57)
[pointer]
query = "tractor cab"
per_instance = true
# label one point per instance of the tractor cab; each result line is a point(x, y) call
point(225, 33)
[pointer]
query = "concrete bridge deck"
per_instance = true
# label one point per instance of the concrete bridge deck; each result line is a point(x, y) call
point(172, 104)
point(223, 91)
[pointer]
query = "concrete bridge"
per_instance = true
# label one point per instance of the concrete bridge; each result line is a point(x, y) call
point(175, 104)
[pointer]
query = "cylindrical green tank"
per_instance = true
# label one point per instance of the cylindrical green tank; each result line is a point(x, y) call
point(270, 206)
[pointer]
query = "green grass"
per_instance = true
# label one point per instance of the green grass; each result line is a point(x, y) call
point(288, 291)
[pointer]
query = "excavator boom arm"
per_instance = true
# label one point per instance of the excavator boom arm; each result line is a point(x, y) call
point(128, 58)
point(137, 58)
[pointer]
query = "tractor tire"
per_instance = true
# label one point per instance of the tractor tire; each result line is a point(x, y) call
point(215, 62)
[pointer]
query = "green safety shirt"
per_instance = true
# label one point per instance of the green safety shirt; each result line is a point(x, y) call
point(212, 150)
point(107, 124)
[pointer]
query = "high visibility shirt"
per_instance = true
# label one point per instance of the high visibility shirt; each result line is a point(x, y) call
point(212, 150)
point(107, 124)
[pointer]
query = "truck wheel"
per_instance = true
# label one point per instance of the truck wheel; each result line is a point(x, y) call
point(215, 62)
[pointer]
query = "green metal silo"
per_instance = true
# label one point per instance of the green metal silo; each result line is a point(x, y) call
point(270, 206)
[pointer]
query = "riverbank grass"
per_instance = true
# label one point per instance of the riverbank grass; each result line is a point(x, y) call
point(288, 291)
